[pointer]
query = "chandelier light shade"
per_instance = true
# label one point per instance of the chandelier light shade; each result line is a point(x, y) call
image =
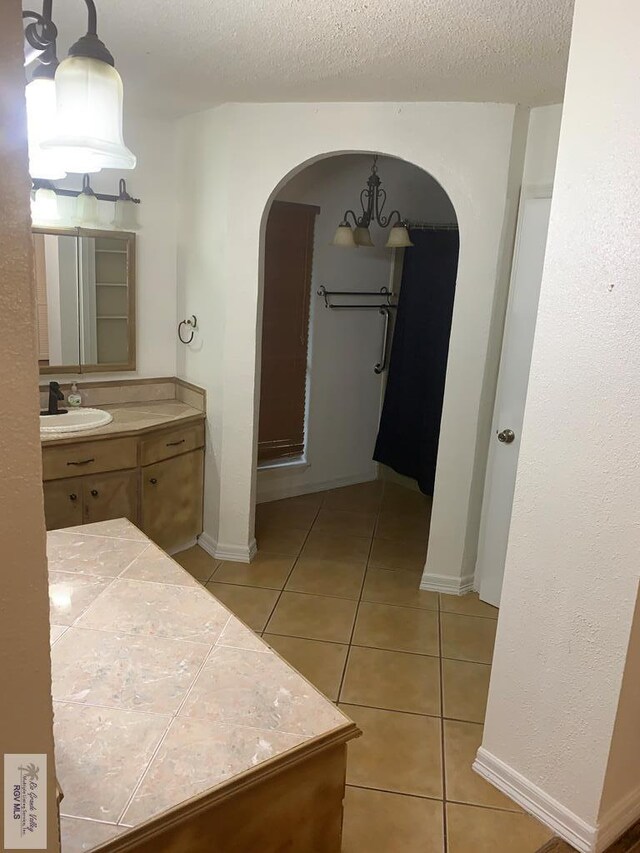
point(344, 236)
point(399, 238)
point(87, 205)
point(372, 201)
point(362, 236)
point(41, 116)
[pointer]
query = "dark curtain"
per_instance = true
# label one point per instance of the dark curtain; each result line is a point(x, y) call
point(410, 423)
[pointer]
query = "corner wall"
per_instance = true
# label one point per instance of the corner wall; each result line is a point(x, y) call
point(26, 717)
point(571, 581)
point(235, 157)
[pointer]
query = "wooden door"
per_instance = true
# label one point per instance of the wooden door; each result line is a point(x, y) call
point(172, 500)
point(63, 503)
point(285, 329)
point(108, 496)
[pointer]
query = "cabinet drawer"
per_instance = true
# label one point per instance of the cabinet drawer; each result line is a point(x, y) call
point(171, 443)
point(88, 457)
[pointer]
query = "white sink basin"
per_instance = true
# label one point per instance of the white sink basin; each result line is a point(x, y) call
point(75, 420)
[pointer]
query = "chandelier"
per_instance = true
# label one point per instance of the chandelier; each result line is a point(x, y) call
point(372, 201)
point(74, 108)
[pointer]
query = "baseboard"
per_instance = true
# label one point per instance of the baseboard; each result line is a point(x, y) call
point(232, 553)
point(278, 491)
point(183, 547)
point(618, 820)
point(548, 811)
point(447, 584)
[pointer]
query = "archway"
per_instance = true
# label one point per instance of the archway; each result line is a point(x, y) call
point(343, 391)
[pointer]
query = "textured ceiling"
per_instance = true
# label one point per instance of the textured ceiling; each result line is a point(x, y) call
point(186, 55)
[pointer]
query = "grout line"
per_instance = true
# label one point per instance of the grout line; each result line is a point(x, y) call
point(396, 793)
point(445, 835)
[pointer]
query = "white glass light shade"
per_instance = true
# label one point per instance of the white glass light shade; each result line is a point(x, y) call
point(125, 217)
point(87, 209)
point(344, 237)
point(362, 237)
point(44, 207)
point(88, 135)
point(398, 238)
point(41, 118)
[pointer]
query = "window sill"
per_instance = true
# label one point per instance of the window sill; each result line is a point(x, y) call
point(296, 462)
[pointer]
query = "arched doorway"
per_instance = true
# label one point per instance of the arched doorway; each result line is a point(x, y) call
point(341, 391)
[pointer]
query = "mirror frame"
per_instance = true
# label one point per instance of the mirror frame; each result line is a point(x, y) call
point(130, 238)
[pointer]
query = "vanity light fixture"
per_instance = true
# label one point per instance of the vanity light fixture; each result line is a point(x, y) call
point(44, 207)
point(86, 135)
point(372, 201)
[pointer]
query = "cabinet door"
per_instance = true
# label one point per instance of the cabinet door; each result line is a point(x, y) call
point(111, 496)
point(172, 500)
point(63, 503)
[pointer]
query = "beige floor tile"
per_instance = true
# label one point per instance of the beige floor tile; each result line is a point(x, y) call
point(266, 570)
point(403, 527)
point(467, 637)
point(342, 549)
point(377, 822)
point(291, 512)
point(321, 663)
point(471, 829)
point(91, 555)
point(70, 594)
point(465, 687)
point(392, 680)
point(197, 562)
point(467, 605)
point(362, 497)
point(390, 554)
point(277, 539)
point(398, 498)
point(401, 629)
point(196, 755)
point(90, 739)
point(345, 522)
point(144, 674)
point(397, 752)
point(326, 577)
point(313, 617)
point(79, 836)
point(249, 603)
point(384, 586)
point(155, 566)
point(461, 743)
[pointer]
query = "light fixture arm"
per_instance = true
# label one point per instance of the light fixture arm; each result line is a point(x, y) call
point(372, 200)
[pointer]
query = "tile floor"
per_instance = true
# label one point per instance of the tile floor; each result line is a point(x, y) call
point(334, 589)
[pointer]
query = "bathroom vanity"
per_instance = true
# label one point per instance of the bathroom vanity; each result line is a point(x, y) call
point(147, 465)
point(176, 727)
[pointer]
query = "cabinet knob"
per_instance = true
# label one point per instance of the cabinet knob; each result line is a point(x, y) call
point(153, 481)
point(73, 497)
point(94, 493)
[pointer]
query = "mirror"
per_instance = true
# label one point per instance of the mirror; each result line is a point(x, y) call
point(85, 289)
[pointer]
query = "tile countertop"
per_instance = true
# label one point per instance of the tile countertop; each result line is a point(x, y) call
point(132, 418)
point(161, 695)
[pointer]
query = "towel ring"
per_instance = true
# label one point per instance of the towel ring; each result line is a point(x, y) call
point(192, 322)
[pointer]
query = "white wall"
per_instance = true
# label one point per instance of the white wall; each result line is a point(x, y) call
point(542, 145)
point(234, 157)
point(572, 565)
point(344, 393)
point(154, 181)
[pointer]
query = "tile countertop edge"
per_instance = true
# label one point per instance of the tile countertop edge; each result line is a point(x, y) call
point(132, 837)
point(105, 433)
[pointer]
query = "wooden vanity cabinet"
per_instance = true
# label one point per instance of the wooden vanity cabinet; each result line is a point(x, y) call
point(164, 498)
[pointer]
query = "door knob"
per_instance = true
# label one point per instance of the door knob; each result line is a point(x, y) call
point(506, 436)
